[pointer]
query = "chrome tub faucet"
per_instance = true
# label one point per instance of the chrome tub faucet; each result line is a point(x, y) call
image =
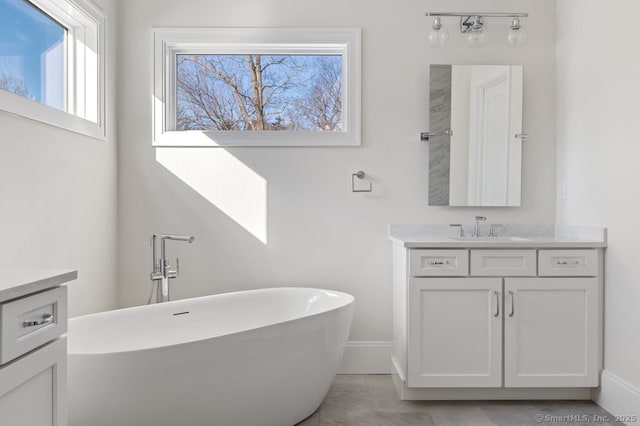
point(161, 271)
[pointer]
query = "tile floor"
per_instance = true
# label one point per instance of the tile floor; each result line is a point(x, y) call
point(372, 401)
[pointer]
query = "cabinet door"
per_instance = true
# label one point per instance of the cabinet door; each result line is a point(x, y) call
point(455, 332)
point(33, 388)
point(551, 332)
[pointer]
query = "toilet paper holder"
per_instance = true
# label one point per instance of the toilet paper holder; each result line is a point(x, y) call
point(360, 175)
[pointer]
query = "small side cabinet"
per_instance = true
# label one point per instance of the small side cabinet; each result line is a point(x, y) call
point(33, 350)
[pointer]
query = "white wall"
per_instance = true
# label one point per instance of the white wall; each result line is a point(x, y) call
point(319, 233)
point(598, 90)
point(58, 200)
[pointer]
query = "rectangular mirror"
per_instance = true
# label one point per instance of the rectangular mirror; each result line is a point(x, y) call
point(475, 126)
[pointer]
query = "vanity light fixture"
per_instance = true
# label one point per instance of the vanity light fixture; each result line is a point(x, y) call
point(518, 34)
point(438, 35)
point(472, 25)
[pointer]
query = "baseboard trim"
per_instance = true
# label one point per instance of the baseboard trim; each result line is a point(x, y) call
point(366, 358)
point(618, 397)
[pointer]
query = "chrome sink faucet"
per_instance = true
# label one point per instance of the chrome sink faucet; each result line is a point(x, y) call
point(476, 230)
point(161, 271)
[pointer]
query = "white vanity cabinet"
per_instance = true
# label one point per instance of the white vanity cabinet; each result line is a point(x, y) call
point(521, 322)
point(33, 348)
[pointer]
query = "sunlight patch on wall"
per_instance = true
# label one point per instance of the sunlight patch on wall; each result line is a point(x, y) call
point(224, 181)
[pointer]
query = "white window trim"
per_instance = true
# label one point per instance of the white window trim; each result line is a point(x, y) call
point(78, 16)
point(168, 42)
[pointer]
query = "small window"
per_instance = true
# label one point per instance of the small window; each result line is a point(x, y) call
point(256, 87)
point(51, 63)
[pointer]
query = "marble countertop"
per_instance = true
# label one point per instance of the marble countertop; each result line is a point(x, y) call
point(16, 283)
point(524, 236)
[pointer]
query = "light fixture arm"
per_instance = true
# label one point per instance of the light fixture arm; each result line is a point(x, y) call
point(471, 23)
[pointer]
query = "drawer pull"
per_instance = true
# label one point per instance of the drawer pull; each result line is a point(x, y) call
point(567, 262)
point(438, 262)
point(46, 319)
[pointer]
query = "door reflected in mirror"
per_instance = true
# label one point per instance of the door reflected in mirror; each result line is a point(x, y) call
point(475, 117)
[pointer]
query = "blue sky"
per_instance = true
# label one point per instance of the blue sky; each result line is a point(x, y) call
point(25, 34)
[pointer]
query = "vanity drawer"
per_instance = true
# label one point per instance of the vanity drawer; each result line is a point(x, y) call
point(568, 262)
point(509, 263)
point(424, 263)
point(31, 322)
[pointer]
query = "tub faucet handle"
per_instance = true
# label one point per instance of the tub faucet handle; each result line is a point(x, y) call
point(173, 273)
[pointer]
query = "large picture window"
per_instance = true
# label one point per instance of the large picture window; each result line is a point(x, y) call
point(32, 51)
point(256, 87)
point(52, 63)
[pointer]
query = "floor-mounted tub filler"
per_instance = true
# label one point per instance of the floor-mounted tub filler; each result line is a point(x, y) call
point(258, 357)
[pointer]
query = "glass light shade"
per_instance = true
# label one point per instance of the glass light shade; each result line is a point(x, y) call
point(477, 38)
point(517, 37)
point(438, 37)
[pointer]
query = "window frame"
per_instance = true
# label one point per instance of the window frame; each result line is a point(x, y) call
point(170, 42)
point(85, 26)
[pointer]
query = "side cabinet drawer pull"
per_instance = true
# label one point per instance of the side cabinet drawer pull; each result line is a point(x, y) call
point(512, 309)
point(566, 262)
point(497, 313)
point(438, 262)
point(46, 319)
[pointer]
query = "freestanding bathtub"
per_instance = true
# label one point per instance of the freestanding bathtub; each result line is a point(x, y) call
point(258, 357)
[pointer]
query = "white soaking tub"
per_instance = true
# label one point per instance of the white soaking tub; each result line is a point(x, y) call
point(258, 357)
